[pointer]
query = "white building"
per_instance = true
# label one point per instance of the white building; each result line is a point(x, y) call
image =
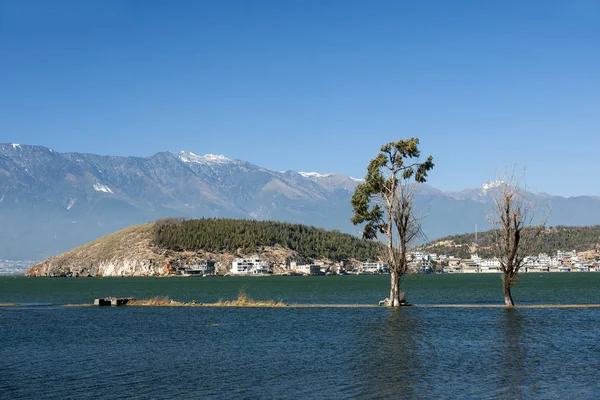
point(491, 262)
point(567, 254)
point(581, 267)
point(249, 266)
point(306, 269)
point(555, 261)
point(373, 268)
point(490, 265)
point(418, 256)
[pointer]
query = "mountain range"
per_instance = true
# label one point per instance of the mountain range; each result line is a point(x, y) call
point(51, 202)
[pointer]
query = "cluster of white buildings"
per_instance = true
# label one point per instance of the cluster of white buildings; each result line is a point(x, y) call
point(373, 268)
point(255, 266)
point(419, 262)
point(250, 266)
point(562, 261)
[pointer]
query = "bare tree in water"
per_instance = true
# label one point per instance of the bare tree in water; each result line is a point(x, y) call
point(384, 203)
point(513, 222)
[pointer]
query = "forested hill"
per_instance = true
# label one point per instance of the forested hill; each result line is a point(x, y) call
point(154, 249)
point(552, 239)
point(245, 236)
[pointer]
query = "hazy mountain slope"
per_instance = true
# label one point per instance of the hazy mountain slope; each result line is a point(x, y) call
point(51, 201)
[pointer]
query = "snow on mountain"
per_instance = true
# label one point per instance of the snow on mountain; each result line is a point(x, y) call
point(71, 204)
point(490, 185)
point(314, 175)
point(317, 175)
point(189, 157)
point(38, 187)
point(98, 187)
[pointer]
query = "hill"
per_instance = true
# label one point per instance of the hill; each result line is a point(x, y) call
point(154, 249)
point(552, 239)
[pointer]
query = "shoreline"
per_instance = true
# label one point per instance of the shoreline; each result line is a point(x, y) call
point(24, 275)
point(283, 305)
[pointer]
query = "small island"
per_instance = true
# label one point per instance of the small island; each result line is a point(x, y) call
point(175, 246)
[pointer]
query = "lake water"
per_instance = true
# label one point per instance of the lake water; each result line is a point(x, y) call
point(52, 351)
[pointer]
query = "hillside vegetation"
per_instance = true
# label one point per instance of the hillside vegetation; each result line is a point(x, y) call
point(154, 249)
point(246, 236)
point(552, 239)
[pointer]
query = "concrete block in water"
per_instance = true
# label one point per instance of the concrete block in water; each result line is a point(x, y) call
point(113, 301)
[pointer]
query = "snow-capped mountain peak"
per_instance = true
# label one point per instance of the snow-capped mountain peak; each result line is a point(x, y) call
point(189, 157)
point(105, 193)
point(314, 175)
point(490, 185)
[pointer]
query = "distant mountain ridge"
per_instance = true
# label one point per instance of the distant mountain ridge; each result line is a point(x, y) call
point(55, 201)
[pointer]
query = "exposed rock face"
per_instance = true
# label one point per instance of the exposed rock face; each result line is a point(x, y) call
point(126, 267)
point(132, 268)
point(129, 252)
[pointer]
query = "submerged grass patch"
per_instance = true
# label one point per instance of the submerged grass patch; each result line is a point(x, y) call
point(243, 300)
point(156, 301)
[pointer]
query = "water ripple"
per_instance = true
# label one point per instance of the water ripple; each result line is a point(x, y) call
point(142, 353)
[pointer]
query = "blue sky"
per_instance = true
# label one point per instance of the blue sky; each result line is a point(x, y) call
point(313, 85)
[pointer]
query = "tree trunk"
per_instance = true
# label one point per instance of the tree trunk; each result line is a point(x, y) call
point(394, 299)
point(508, 300)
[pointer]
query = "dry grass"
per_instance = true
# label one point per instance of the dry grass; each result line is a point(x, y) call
point(156, 302)
point(243, 300)
point(134, 242)
point(117, 245)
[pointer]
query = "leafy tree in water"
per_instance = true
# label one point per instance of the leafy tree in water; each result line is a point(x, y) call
point(383, 203)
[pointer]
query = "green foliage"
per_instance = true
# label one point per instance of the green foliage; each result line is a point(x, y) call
point(550, 240)
point(397, 162)
point(229, 235)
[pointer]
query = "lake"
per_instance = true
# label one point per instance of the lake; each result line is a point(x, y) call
point(52, 351)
